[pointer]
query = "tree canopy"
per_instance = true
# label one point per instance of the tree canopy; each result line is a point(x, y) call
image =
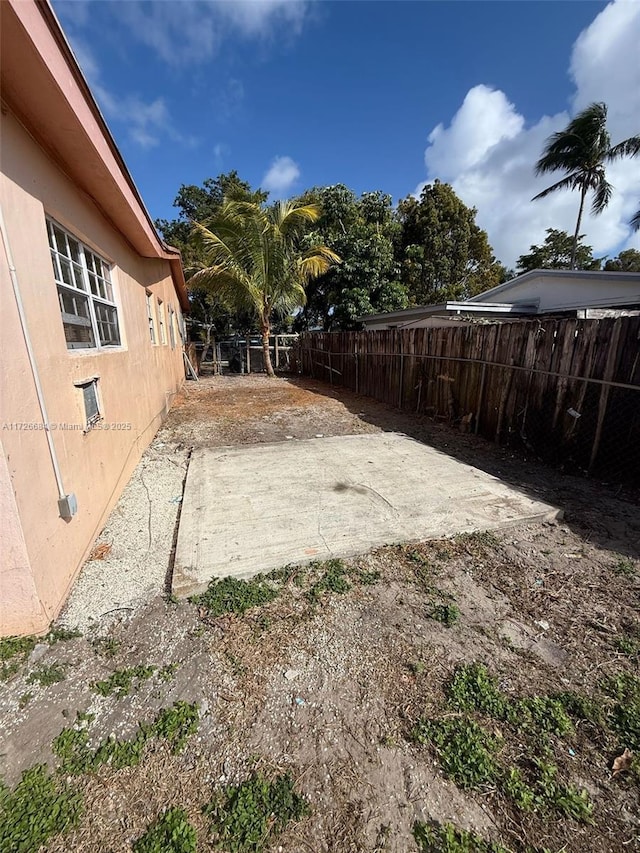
point(442, 253)
point(556, 254)
point(581, 151)
point(255, 258)
point(360, 231)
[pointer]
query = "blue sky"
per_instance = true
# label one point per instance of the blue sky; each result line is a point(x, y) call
point(376, 95)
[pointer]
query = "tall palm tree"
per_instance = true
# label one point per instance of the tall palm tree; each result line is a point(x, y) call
point(581, 151)
point(254, 258)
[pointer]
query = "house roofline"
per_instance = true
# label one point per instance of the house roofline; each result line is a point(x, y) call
point(570, 275)
point(110, 186)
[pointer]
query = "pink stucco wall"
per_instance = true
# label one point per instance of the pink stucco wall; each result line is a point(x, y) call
point(137, 383)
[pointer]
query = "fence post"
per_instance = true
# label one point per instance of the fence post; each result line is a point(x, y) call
point(401, 380)
point(480, 395)
point(609, 370)
point(357, 377)
point(277, 353)
point(330, 370)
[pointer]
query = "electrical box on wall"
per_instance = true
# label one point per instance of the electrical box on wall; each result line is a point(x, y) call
point(68, 506)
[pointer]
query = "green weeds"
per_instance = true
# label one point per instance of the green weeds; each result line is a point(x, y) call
point(39, 808)
point(47, 675)
point(471, 755)
point(446, 614)
point(169, 833)
point(466, 751)
point(173, 725)
point(624, 715)
point(230, 595)
point(625, 567)
point(247, 818)
point(15, 650)
point(121, 680)
point(446, 838)
point(472, 688)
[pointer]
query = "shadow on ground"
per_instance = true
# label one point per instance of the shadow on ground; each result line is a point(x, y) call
point(605, 513)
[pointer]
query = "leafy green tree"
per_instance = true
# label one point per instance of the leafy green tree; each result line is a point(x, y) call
point(557, 253)
point(627, 261)
point(581, 151)
point(253, 259)
point(442, 252)
point(360, 231)
point(199, 204)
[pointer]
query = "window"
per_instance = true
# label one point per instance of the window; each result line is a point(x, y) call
point(85, 292)
point(152, 325)
point(161, 326)
point(92, 412)
point(172, 328)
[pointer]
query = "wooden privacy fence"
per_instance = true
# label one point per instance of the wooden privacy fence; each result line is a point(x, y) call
point(567, 389)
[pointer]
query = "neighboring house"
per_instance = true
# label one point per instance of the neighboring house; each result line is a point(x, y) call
point(91, 324)
point(568, 293)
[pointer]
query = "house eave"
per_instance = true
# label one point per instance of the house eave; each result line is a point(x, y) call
point(43, 87)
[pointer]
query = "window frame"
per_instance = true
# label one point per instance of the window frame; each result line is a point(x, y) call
point(161, 322)
point(172, 329)
point(90, 420)
point(84, 278)
point(150, 318)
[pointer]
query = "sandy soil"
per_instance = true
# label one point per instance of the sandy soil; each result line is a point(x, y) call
point(331, 691)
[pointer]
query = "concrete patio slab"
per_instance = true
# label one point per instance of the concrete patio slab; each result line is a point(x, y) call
point(251, 509)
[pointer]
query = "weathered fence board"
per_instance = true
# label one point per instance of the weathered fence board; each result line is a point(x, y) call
point(566, 389)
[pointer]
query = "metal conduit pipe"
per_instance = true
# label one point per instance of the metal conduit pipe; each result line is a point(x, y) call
point(66, 503)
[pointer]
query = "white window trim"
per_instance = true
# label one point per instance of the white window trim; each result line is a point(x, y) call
point(161, 322)
point(89, 423)
point(153, 337)
point(87, 293)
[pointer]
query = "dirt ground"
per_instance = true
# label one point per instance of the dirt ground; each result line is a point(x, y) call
point(330, 685)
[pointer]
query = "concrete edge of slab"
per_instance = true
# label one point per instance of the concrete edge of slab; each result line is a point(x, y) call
point(185, 585)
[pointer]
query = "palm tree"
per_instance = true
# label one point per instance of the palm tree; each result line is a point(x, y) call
point(254, 258)
point(635, 222)
point(581, 151)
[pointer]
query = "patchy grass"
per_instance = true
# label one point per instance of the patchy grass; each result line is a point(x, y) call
point(333, 578)
point(47, 675)
point(624, 715)
point(169, 833)
point(121, 680)
point(446, 614)
point(39, 808)
point(173, 725)
point(106, 646)
point(230, 595)
point(467, 752)
point(248, 818)
point(624, 567)
point(471, 755)
point(446, 838)
point(15, 650)
point(472, 688)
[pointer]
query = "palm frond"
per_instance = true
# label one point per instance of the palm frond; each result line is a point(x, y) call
point(627, 148)
point(602, 194)
point(568, 183)
point(635, 221)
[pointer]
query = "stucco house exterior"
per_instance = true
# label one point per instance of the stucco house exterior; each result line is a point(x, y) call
point(91, 322)
point(569, 293)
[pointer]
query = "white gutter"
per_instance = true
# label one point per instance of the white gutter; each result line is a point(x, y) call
point(32, 361)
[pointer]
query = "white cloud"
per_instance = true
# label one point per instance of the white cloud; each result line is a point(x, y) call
point(190, 32)
point(147, 122)
point(488, 153)
point(281, 176)
point(220, 153)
